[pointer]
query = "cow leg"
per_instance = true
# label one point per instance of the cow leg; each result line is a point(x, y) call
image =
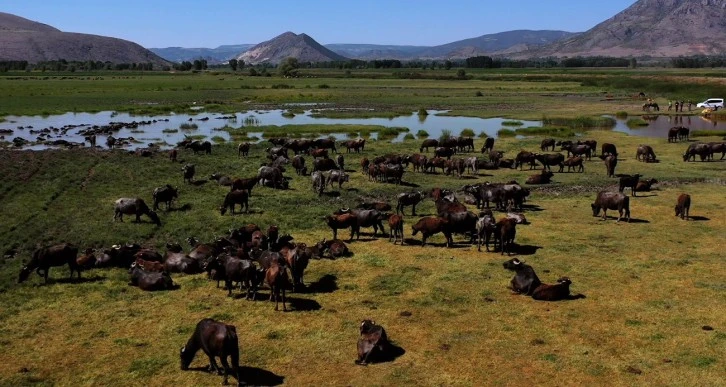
point(413, 213)
point(223, 359)
point(275, 290)
point(284, 297)
point(213, 367)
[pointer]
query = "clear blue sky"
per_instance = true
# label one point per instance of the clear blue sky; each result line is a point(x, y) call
point(210, 23)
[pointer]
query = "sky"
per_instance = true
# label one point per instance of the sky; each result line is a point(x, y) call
point(210, 23)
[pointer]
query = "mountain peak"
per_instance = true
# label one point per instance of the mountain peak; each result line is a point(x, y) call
point(289, 44)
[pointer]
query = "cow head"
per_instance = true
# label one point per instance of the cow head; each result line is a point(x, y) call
point(154, 218)
point(366, 326)
point(564, 281)
point(595, 209)
point(186, 356)
point(513, 264)
point(24, 272)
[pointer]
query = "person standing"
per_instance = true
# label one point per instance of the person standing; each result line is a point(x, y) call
point(690, 103)
point(670, 105)
point(676, 106)
point(682, 106)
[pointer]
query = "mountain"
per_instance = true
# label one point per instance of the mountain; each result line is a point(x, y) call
point(376, 51)
point(301, 46)
point(23, 39)
point(217, 55)
point(658, 28)
point(493, 43)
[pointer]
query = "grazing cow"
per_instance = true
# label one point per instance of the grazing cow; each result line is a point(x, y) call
point(409, 199)
point(197, 146)
point(550, 159)
point(465, 144)
point(611, 162)
point(319, 153)
point(673, 134)
point(429, 143)
point(488, 145)
point(578, 150)
point(244, 185)
point(717, 147)
point(325, 143)
point(364, 164)
point(395, 223)
point(341, 162)
point(436, 162)
point(394, 171)
point(683, 205)
point(216, 339)
point(495, 156)
point(525, 157)
point(272, 176)
point(557, 292)
point(337, 176)
point(684, 133)
point(485, 228)
point(173, 155)
point(518, 218)
point(455, 166)
point(298, 162)
point(279, 141)
point(701, 149)
point(645, 153)
point(591, 143)
point(450, 142)
point(243, 150)
point(165, 194)
point(44, 258)
point(506, 230)
point(574, 162)
point(134, 206)
point(298, 146)
point(277, 278)
point(318, 180)
point(545, 177)
point(275, 152)
point(611, 201)
point(645, 185)
point(431, 225)
point(110, 142)
point(546, 144)
point(221, 179)
point(298, 261)
point(188, 171)
point(324, 165)
point(366, 218)
point(525, 281)
point(356, 145)
point(608, 149)
point(232, 199)
point(342, 221)
point(444, 152)
point(628, 181)
point(373, 342)
point(149, 281)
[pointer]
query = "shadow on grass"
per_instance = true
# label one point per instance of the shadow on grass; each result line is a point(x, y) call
point(326, 284)
point(184, 208)
point(455, 245)
point(392, 353)
point(303, 304)
point(634, 220)
point(698, 218)
point(409, 184)
point(645, 196)
point(331, 194)
point(199, 182)
point(527, 249)
point(75, 280)
point(251, 376)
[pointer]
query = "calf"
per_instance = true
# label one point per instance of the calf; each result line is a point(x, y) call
point(216, 339)
point(545, 177)
point(243, 150)
point(342, 221)
point(683, 206)
point(395, 222)
point(611, 201)
point(506, 230)
point(525, 281)
point(221, 179)
point(44, 258)
point(431, 225)
point(628, 181)
point(373, 342)
point(557, 292)
point(276, 277)
point(232, 199)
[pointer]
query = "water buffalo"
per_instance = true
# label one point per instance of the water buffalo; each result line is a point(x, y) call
point(298, 262)
point(608, 149)
point(718, 147)
point(684, 133)
point(356, 145)
point(244, 185)
point(149, 281)
point(525, 157)
point(315, 153)
point(188, 171)
point(444, 152)
point(243, 150)
point(611, 162)
point(366, 218)
point(373, 342)
point(645, 153)
point(431, 225)
point(545, 177)
point(325, 143)
point(701, 149)
point(337, 176)
point(134, 206)
point(341, 162)
point(550, 159)
point(110, 142)
point(419, 162)
point(242, 271)
point(178, 262)
point(525, 281)
point(221, 179)
point(429, 143)
point(506, 230)
point(488, 145)
point(44, 258)
point(271, 175)
point(559, 291)
point(216, 339)
point(395, 223)
point(683, 206)
point(578, 150)
point(574, 162)
point(324, 165)
point(408, 199)
point(232, 199)
point(318, 180)
point(546, 144)
point(173, 155)
point(673, 134)
point(334, 248)
point(462, 222)
point(465, 144)
point(299, 146)
point(485, 228)
point(278, 280)
point(611, 201)
point(275, 152)
point(645, 185)
point(342, 221)
point(628, 181)
point(298, 162)
point(165, 194)
point(198, 146)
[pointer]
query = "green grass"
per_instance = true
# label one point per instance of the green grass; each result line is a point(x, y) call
point(545, 131)
point(512, 123)
point(636, 122)
point(708, 133)
point(186, 126)
point(504, 132)
point(581, 122)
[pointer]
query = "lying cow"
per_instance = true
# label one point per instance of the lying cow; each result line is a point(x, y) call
point(525, 281)
point(373, 342)
point(149, 281)
point(557, 292)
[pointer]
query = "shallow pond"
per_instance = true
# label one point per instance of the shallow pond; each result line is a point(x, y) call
point(169, 129)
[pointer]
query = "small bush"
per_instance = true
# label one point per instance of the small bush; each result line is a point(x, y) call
point(445, 135)
point(251, 121)
point(219, 139)
point(288, 114)
point(482, 134)
point(422, 112)
point(479, 94)
point(323, 86)
point(546, 130)
point(467, 133)
point(282, 86)
point(512, 123)
point(186, 126)
point(422, 134)
point(621, 114)
point(503, 132)
point(636, 122)
point(409, 136)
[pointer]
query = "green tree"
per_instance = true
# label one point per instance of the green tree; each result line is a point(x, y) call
point(233, 64)
point(288, 67)
point(447, 65)
point(461, 74)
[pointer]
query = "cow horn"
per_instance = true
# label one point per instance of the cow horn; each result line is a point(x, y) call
point(516, 261)
point(115, 247)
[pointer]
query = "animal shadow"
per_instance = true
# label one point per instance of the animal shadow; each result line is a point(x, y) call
point(646, 196)
point(326, 284)
point(698, 218)
point(409, 184)
point(82, 280)
point(254, 376)
point(184, 208)
point(531, 207)
point(527, 249)
point(634, 220)
point(199, 182)
point(303, 304)
point(332, 194)
point(469, 177)
point(392, 353)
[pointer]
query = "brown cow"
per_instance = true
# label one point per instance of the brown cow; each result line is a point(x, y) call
point(44, 258)
point(172, 155)
point(559, 291)
point(342, 221)
point(645, 185)
point(611, 201)
point(683, 205)
point(611, 162)
point(544, 177)
point(506, 230)
point(276, 277)
point(431, 225)
point(243, 149)
point(244, 185)
point(395, 222)
point(573, 163)
point(150, 265)
point(233, 198)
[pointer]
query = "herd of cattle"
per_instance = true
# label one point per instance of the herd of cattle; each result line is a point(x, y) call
point(248, 256)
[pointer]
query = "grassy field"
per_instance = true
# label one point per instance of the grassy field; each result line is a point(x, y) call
point(650, 285)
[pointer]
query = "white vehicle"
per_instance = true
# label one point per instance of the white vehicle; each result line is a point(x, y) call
point(711, 103)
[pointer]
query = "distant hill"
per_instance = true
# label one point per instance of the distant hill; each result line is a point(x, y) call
point(658, 28)
point(23, 39)
point(217, 55)
point(301, 46)
point(376, 51)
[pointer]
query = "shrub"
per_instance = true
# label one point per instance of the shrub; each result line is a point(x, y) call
point(219, 139)
point(479, 94)
point(503, 132)
point(445, 135)
point(323, 86)
point(467, 133)
point(621, 114)
point(512, 123)
point(546, 130)
point(282, 86)
point(482, 134)
point(409, 136)
point(186, 126)
point(422, 112)
point(288, 114)
point(636, 122)
point(422, 134)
